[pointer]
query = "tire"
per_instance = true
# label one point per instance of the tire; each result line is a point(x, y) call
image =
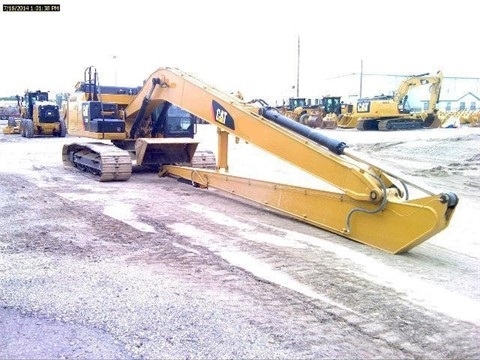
point(11, 122)
point(62, 129)
point(303, 119)
point(22, 128)
point(29, 130)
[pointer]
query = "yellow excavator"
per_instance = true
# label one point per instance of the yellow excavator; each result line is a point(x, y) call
point(372, 205)
point(392, 112)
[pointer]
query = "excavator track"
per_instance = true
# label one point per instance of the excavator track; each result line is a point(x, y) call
point(400, 124)
point(204, 159)
point(105, 161)
point(392, 124)
point(367, 124)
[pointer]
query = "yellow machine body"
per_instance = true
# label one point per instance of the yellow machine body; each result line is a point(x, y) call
point(77, 109)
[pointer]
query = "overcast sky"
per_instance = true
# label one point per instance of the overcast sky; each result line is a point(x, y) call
point(248, 45)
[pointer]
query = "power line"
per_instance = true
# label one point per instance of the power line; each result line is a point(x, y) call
point(400, 75)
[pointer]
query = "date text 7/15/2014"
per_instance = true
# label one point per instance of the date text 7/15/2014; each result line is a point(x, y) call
point(31, 7)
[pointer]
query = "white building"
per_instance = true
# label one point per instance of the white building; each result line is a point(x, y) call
point(467, 101)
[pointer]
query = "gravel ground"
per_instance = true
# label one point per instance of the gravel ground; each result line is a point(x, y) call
point(83, 271)
point(153, 268)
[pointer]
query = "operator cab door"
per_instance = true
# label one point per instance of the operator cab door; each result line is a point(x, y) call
point(173, 122)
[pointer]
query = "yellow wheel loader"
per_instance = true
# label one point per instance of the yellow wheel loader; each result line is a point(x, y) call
point(299, 109)
point(327, 115)
point(39, 116)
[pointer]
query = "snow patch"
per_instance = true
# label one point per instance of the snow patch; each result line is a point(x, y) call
point(124, 213)
point(264, 271)
point(218, 217)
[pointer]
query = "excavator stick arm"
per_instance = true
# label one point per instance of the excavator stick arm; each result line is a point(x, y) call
point(395, 227)
point(141, 112)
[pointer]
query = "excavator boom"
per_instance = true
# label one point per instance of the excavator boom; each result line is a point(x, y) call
point(371, 206)
point(435, 82)
point(245, 121)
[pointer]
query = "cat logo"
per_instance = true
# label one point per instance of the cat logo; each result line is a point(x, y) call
point(221, 115)
point(363, 106)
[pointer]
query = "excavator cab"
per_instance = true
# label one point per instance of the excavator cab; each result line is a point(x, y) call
point(173, 122)
point(404, 106)
point(169, 123)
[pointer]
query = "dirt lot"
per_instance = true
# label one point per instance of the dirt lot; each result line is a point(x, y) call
point(155, 268)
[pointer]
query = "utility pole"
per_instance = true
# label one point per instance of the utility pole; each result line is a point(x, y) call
point(361, 78)
point(116, 68)
point(298, 67)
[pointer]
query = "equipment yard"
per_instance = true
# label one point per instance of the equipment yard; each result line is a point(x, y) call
point(156, 268)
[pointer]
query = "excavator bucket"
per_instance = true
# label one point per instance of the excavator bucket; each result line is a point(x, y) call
point(152, 152)
point(10, 130)
point(348, 121)
point(330, 121)
point(431, 121)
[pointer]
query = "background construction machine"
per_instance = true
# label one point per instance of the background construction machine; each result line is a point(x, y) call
point(316, 113)
point(392, 112)
point(10, 113)
point(38, 116)
point(327, 115)
point(299, 108)
point(371, 206)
